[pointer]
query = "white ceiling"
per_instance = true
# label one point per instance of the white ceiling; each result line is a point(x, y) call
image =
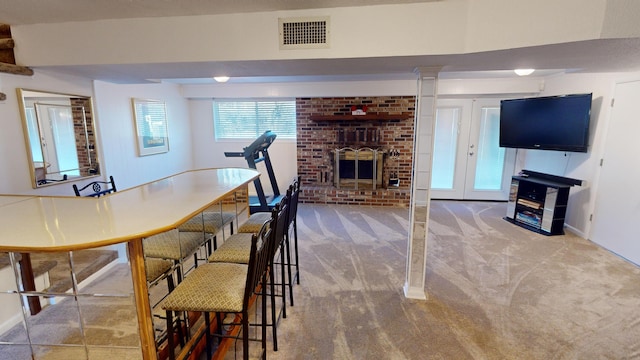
point(587, 56)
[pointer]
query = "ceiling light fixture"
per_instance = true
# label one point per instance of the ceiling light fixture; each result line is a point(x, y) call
point(524, 72)
point(221, 78)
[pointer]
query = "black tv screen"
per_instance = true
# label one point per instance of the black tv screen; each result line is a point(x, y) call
point(546, 123)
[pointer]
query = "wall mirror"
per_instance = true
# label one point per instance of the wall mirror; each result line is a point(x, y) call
point(59, 135)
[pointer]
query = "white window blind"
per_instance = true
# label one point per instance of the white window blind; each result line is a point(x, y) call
point(250, 118)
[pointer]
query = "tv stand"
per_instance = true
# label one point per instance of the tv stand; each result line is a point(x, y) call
point(538, 201)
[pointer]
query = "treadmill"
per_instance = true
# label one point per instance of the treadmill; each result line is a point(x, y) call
point(255, 153)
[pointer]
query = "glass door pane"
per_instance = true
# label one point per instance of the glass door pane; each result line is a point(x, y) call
point(449, 153)
point(490, 160)
point(445, 147)
point(489, 167)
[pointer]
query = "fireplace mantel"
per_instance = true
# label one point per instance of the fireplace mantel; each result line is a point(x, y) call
point(369, 117)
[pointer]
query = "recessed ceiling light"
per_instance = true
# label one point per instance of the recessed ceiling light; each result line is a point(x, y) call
point(524, 72)
point(221, 78)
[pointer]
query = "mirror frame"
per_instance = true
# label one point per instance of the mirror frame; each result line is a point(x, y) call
point(88, 170)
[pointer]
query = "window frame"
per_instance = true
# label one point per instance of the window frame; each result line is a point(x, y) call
point(225, 138)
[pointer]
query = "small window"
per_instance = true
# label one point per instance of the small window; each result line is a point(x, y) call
point(250, 118)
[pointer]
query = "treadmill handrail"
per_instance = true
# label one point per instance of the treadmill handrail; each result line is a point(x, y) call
point(252, 154)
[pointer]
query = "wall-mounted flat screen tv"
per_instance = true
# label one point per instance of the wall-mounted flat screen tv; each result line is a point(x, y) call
point(547, 123)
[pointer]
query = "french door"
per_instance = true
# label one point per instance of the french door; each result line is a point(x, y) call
point(468, 164)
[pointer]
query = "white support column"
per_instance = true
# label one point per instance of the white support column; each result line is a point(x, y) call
point(414, 287)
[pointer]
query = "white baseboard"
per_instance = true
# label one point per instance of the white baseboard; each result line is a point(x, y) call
point(91, 278)
point(9, 323)
point(11, 311)
point(575, 231)
point(98, 273)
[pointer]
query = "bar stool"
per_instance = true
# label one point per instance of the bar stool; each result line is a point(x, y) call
point(255, 220)
point(175, 246)
point(156, 271)
point(209, 223)
point(292, 224)
point(219, 288)
point(237, 249)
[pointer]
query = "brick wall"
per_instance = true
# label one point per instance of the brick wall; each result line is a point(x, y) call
point(317, 140)
point(84, 122)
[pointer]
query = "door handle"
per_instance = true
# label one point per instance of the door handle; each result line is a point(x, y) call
point(471, 153)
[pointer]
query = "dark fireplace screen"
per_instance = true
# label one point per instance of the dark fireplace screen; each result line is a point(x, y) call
point(358, 168)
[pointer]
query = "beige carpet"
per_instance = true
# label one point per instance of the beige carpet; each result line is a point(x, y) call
point(85, 262)
point(495, 290)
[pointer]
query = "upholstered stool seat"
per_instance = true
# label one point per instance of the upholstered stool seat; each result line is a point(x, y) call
point(157, 268)
point(175, 246)
point(170, 245)
point(156, 271)
point(235, 249)
point(254, 222)
point(211, 287)
point(209, 221)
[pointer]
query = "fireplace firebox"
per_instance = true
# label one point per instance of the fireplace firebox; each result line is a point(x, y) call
point(361, 167)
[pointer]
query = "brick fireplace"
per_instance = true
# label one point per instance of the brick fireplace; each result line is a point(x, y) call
point(325, 125)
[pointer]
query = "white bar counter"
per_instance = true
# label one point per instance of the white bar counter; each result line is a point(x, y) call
point(71, 223)
point(58, 224)
point(10, 199)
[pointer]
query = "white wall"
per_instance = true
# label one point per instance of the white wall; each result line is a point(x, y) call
point(208, 152)
point(114, 125)
point(15, 177)
point(283, 153)
point(116, 133)
point(583, 166)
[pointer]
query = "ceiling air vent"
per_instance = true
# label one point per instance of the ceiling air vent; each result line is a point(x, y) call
point(304, 33)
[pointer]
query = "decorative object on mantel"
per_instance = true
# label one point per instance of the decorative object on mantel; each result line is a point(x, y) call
point(358, 110)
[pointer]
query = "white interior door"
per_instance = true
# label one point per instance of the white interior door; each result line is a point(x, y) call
point(617, 205)
point(468, 163)
point(58, 138)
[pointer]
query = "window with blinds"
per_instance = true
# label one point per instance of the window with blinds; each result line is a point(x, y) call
point(250, 118)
